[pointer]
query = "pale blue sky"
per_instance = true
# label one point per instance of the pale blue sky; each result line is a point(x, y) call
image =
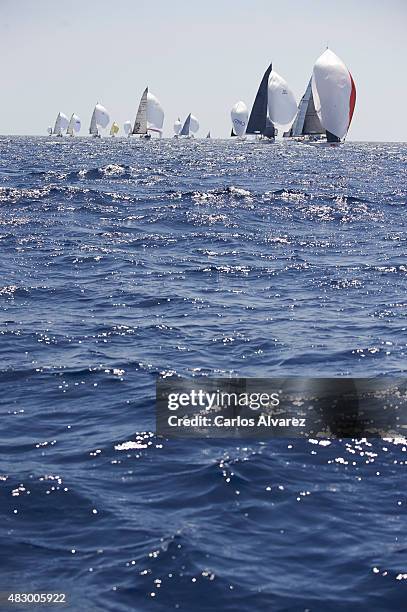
point(195, 56)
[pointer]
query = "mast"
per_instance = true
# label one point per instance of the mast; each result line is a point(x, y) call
point(140, 124)
point(258, 117)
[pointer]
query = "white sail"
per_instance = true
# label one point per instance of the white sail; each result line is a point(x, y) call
point(239, 115)
point(334, 93)
point(93, 128)
point(127, 127)
point(49, 129)
point(194, 124)
point(282, 106)
point(140, 124)
point(155, 114)
point(100, 118)
point(177, 126)
point(74, 125)
point(61, 123)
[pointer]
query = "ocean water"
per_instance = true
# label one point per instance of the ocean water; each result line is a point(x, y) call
point(121, 260)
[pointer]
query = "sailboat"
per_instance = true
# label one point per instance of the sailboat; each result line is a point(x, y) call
point(177, 127)
point(190, 127)
point(239, 115)
point(74, 125)
point(259, 121)
point(61, 123)
point(150, 116)
point(127, 127)
point(49, 130)
point(334, 95)
point(209, 134)
point(100, 118)
point(282, 106)
point(114, 129)
point(307, 125)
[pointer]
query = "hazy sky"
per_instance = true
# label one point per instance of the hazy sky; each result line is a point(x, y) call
point(199, 56)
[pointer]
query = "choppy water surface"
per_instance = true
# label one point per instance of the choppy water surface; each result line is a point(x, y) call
point(121, 260)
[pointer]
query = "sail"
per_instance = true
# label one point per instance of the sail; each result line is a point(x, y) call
point(186, 127)
point(194, 124)
point(61, 123)
point(306, 121)
point(239, 115)
point(177, 126)
point(114, 129)
point(312, 124)
point(282, 106)
point(93, 128)
point(269, 131)
point(74, 125)
point(334, 94)
point(258, 115)
point(232, 133)
point(127, 127)
point(49, 129)
point(208, 135)
point(100, 118)
point(140, 124)
point(155, 114)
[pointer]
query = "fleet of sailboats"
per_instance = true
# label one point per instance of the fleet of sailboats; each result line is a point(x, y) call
point(324, 112)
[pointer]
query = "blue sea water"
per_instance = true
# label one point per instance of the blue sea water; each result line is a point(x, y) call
point(121, 260)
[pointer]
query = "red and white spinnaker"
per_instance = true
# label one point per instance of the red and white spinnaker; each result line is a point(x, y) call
point(334, 94)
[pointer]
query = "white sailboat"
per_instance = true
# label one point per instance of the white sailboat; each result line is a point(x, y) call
point(127, 127)
point(74, 125)
point(177, 127)
point(49, 130)
point(282, 106)
point(100, 119)
point(334, 95)
point(114, 129)
point(150, 116)
point(61, 123)
point(190, 127)
point(239, 115)
point(307, 126)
